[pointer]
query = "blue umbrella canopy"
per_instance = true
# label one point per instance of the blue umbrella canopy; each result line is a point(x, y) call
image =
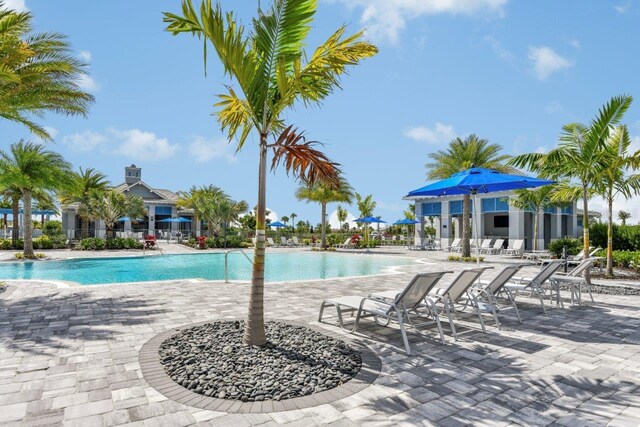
point(478, 180)
point(168, 220)
point(406, 221)
point(369, 219)
point(182, 219)
point(276, 224)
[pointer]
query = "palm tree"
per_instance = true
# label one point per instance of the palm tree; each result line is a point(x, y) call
point(342, 215)
point(614, 180)
point(191, 200)
point(366, 206)
point(83, 184)
point(293, 222)
point(39, 73)
point(229, 211)
point(272, 73)
point(535, 201)
point(324, 193)
point(210, 199)
point(580, 154)
point(623, 216)
point(45, 201)
point(30, 168)
point(461, 155)
point(285, 219)
point(111, 205)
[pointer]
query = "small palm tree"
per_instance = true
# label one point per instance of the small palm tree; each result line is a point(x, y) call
point(461, 155)
point(111, 205)
point(191, 200)
point(285, 219)
point(273, 73)
point(229, 211)
point(580, 154)
point(30, 168)
point(293, 222)
point(342, 215)
point(623, 216)
point(534, 201)
point(210, 199)
point(325, 193)
point(366, 206)
point(39, 73)
point(83, 184)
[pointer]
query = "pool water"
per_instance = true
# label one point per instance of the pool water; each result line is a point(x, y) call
point(279, 267)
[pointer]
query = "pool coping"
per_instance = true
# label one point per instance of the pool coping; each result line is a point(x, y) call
point(154, 374)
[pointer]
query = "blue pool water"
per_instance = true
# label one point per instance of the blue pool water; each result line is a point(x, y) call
point(279, 267)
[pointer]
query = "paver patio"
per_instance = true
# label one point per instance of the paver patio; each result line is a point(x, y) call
point(70, 356)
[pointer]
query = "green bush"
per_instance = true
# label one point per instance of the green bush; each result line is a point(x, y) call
point(92, 244)
point(43, 242)
point(122, 243)
point(457, 258)
point(573, 246)
point(335, 239)
point(5, 244)
point(624, 259)
point(53, 228)
point(625, 237)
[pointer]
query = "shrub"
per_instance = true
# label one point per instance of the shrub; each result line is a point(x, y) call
point(53, 228)
point(5, 244)
point(92, 244)
point(43, 242)
point(457, 258)
point(625, 237)
point(573, 246)
point(624, 259)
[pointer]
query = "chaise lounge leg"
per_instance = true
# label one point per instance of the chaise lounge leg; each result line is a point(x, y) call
point(403, 331)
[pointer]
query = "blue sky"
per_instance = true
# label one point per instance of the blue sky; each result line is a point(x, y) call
point(511, 72)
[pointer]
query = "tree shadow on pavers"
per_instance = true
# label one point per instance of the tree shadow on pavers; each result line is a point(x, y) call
point(585, 324)
point(45, 324)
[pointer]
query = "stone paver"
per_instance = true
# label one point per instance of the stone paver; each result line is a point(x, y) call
point(69, 356)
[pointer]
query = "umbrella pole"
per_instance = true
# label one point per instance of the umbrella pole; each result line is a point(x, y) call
point(475, 226)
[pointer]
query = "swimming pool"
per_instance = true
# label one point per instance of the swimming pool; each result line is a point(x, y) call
point(279, 267)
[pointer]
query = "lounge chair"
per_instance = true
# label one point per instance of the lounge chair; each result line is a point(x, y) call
point(398, 308)
point(575, 280)
point(283, 241)
point(446, 298)
point(576, 260)
point(270, 242)
point(294, 241)
point(496, 248)
point(486, 245)
point(455, 245)
point(254, 241)
point(487, 293)
point(535, 285)
point(346, 245)
point(516, 248)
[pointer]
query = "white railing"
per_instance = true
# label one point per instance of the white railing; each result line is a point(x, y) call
point(226, 262)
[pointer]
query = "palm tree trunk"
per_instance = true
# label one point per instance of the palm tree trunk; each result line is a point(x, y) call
point(610, 238)
point(466, 226)
point(585, 227)
point(15, 211)
point(28, 225)
point(535, 230)
point(85, 227)
point(323, 234)
point(254, 329)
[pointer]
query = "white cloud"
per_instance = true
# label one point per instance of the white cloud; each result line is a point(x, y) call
point(635, 144)
point(85, 55)
point(142, 145)
point(499, 50)
point(439, 134)
point(133, 144)
point(85, 141)
point(547, 61)
point(622, 8)
point(574, 43)
point(204, 150)
point(385, 19)
point(88, 83)
point(17, 5)
point(553, 107)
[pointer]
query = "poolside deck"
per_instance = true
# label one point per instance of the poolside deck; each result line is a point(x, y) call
point(70, 356)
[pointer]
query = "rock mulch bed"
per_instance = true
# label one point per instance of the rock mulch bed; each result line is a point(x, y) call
point(3, 287)
point(609, 289)
point(211, 360)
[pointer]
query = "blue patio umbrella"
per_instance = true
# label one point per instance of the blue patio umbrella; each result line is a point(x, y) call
point(277, 224)
point(406, 222)
point(369, 220)
point(478, 180)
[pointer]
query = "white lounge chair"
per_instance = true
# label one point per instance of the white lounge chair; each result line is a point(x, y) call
point(454, 245)
point(270, 242)
point(516, 248)
point(485, 245)
point(535, 285)
point(487, 293)
point(496, 248)
point(283, 241)
point(408, 300)
point(346, 245)
point(295, 242)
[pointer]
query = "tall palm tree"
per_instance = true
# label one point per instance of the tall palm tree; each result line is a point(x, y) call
point(342, 215)
point(285, 219)
point(461, 155)
point(325, 193)
point(615, 181)
point(83, 184)
point(29, 168)
point(580, 155)
point(293, 221)
point(623, 216)
point(366, 206)
point(191, 200)
point(39, 73)
point(535, 201)
point(229, 211)
point(45, 201)
point(111, 205)
point(273, 73)
point(210, 199)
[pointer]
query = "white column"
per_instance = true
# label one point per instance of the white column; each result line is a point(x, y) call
point(445, 225)
point(127, 226)
point(71, 225)
point(516, 223)
point(151, 214)
point(540, 237)
point(174, 214)
point(100, 229)
point(419, 228)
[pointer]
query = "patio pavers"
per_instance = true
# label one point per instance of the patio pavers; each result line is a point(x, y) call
point(69, 356)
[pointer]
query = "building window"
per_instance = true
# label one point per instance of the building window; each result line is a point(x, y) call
point(432, 209)
point(129, 173)
point(567, 211)
point(550, 209)
point(497, 204)
point(579, 221)
point(137, 174)
point(455, 207)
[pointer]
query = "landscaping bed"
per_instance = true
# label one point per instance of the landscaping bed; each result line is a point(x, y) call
point(212, 360)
